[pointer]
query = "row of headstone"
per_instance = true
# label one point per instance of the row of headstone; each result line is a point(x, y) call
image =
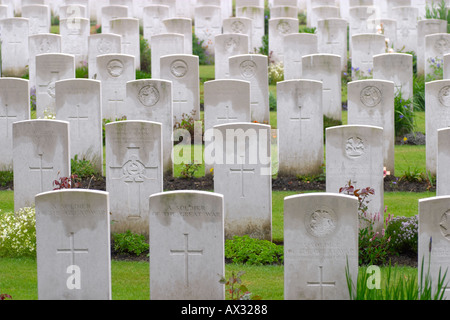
point(187, 245)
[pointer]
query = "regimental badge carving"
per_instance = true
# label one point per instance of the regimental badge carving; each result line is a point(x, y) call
point(321, 223)
point(134, 170)
point(371, 96)
point(231, 44)
point(149, 96)
point(444, 225)
point(237, 27)
point(442, 46)
point(115, 68)
point(104, 46)
point(179, 68)
point(44, 46)
point(444, 96)
point(283, 27)
point(248, 69)
point(355, 147)
point(51, 89)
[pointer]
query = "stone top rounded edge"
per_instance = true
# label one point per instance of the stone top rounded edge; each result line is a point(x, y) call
point(185, 192)
point(351, 126)
point(320, 195)
point(355, 82)
point(114, 123)
point(242, 124)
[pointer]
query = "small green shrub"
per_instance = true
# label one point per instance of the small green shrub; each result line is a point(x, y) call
point(199, 50)
point(130, 243)
point(403, 232)
point(419, 92)
point(82, 72)
point(404, 115)
point(146, 56)
point(6, 178)
point(18, 233)
point(251, 251)
point(82, 168)
point(272, 102)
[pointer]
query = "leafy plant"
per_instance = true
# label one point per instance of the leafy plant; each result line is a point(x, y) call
point(419, 92)
point(66, 183)
point(82, 72)
point(4, 296)
point(188, 170)
point(404, 115)
point(403, 232)
point(6, 178)
point(33, 98)
point(437, 11)
point(252, 251)
point(272, 102)
point(276, 72)
point(146, 56)
point(437, 70)
point(18, 233)
point(188, 122)
point(236, 289)
point(130, 242)
point(199, 50)
point(82, 168)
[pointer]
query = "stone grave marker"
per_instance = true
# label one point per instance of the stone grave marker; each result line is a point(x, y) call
point(14, 107)
point(74, 39)
point(226, 101)
point(100, 44)
point(371, 102)
point(207, 25)
point(253, 68)
point(359, 19)
point(332, 38)
point(41, 44)
point(321, 242)
point(226, 46)
point(406, 27)
point(388, 28)
point(243, 160)
point(278, 29)
point(128, 28)
point(114, 71)
point(355, 153)
point(84, 3)
point(436, 45)
point(172, 4)
point(151, 100)
point(181, 26)
point(442, 174)
point(51, 67)
point(446, 67)
point(14, 46)
point(256, 14)
point(437, 116)
point(72, 11)
point(426, 27)
point(73, 245)
point(41, 155)
point(39, 18)
point(364, 47)
point(109, 13)
point(162, 45)
point(10, 8)
point(153, 16)
point(79, 102)
point(133, 172)
point(300, 127)
point(297, 45)
point(183, 71)
point(433, 241)
point(323, 12)
point(327, 69)
point(240, 26)
point(186, 246)
point(127, 3)
point(284, 11)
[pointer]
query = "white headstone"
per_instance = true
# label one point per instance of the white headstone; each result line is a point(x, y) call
point(74, 39)
point(300, 127)
point(133, 172)
point(151, 100)
point(355, 153)
point(100, 44)
point(127, 3)
point(79, 102)
point(186, 246)
point(114, 71)
point(364, 47)
point(256, 14)
point(426, 27)
point(226, 46)
point(278, 29)
point(433, 242)
point(371, 102)
point(84, 3)
point(254, 69)
point(284, 12)
point(243, 174)
point(72, 11)
point(388, 28)
point(323, 12)
point(153, 16)
point(182, 26)
point(14, 46)
point(109, 13)
point(41, 155)
point(162, 45)
point(359, 19)
point(241, 26)
point(406, 27)
point(51, 67)
point(14, 107)
point(172, 4)
point(183, 71)
point(296, 46)
point(437, 116)
point(207, 25)
point(320, 243)
point(332, 38)
point(39, 18)
point(436, 45)
point(443, 153)
point(73, 245)
point(327, 69)
point(128, 28)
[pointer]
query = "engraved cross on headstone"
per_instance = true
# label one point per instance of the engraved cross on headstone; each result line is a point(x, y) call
point(321, 284)
point(115, 102)
point(41, 169)
point(72, 250)
point(7, 117)
point(78, 119)
point(300, 117)
point(186, 252)
point(242, 171)
point(227, 118)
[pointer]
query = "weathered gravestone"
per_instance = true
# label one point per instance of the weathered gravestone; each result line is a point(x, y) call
point(296, 46)
point(426, 27)
point(39, 18)
point(14, 107)
point(300, 127)
point(278, 29)
point(114, 71)
point(364, 47)
point(207, 25)
point(443, 157)
point(239, 25)
point(186, 246)
point(243, 174)
point(284, 11)
point(434, 242)
point(253, 68)
point(134, 171)
point(332, 38)
point(226, 46)
point(72, 11)
point(183, 71)
point(226, 101)
point(355, 154)
point(14, 46)
point(437, 116)
point(41, 155)
point(41, 44)
point(327, 69)
point(181, 26)
point(320, 245)
point(153, 16)
point(406, 27)
point(371, 102)
point(162, 45)
point(51, 67)
point(74, 39)
point(100, 44)
point(436, 45)
point(151, 100)
point(85, 3)
point(109, 13)
point(323, 12)
point(446, 66)
point(73, 245)
point(128, 28)
point(256, 14)
point(79, 102)
point(127, 3)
